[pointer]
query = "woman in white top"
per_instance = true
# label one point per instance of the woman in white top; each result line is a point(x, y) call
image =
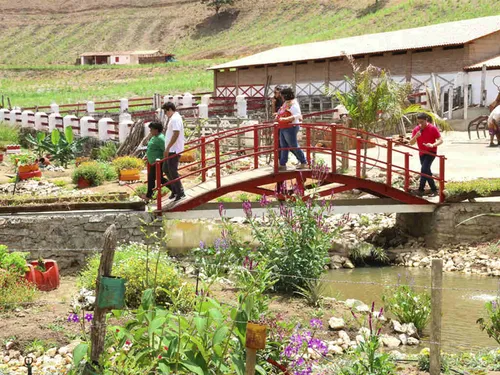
point(289, 118)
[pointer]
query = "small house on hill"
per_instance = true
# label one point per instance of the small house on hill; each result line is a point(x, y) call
point(125, 57)
point(453, 52)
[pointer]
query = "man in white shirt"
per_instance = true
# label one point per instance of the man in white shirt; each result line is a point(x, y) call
point(174, 145)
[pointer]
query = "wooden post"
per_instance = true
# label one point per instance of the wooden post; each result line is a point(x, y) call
point(251, 361)
point(345, 151)
point(483, 85)
point(436, 301)
point(98, 329)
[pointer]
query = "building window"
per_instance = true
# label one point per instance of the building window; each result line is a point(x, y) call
point(117, 59)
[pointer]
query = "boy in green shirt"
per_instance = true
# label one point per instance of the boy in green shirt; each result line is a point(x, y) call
point(155, 150)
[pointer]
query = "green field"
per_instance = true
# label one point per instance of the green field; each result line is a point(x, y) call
point(37, 51)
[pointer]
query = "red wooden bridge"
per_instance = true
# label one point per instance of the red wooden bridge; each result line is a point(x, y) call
point(213, 155)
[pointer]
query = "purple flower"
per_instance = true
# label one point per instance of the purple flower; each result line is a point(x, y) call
point(263, 201)
point(202, 245)
point(316, 324)
point(73, 318)
point(222, 211)
point(247, 209)
point(89, 317)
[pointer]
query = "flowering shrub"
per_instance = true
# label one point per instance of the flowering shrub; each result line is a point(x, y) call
point(305, 345)
point(491, 324)
point(14, 290)
point(295, 240)
point(408, 306)
point(367, 358)
point(14, 262)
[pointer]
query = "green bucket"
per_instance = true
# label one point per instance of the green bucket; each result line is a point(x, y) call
point(89, 370)
point(111, 293)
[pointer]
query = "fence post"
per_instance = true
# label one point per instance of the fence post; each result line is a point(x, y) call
point(4, 112)
point(98, 329)
point(255, 340)
point(53, 121)
point(389, 161)
point(39, 119)
point(241, 106)
point(84, 126)
point(203, 160)
point(13, 116)
point(217, 162)
point(158, 173)
point(103, 127)
point(203, 111)
point(90, 107)
point(25, 118)
point(358, 156)
point(68, 121)
point(187, 100)
point(308, 144)
point(345, 151)
point(436, 301)
point(124, 123)
point(54, 108)
point(123, 105)
point(334, 148)
point(178, 100)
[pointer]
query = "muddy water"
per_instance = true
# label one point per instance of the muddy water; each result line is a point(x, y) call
point(464, 297)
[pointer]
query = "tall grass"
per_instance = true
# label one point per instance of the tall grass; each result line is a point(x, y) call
point(9, 134)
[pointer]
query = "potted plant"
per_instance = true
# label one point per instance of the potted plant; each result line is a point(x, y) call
point(128, 168)
point(88, 174)
point(27, 166)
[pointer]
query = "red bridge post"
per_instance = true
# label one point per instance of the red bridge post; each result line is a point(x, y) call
point(389, 161)
point(203, 160)
point(158, 172)
point(256, 147)
point(358, 156)
point(217, 162)
point(441, 179)
point(334, 148)
point(407, 172)
point(276, 148)
point(308, 144)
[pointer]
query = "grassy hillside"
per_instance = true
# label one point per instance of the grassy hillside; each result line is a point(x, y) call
point(41, 38)
point(56, 31)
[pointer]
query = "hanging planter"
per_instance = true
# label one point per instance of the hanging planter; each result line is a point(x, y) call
point(44, 274)
point(130, 175)
point(111, 293)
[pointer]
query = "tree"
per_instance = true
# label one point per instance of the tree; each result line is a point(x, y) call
point(217, 4)
point(376, 103)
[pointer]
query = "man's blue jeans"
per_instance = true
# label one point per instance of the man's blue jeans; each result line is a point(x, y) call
point(288, 139)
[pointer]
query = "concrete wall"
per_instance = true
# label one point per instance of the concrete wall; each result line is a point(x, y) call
point(440, 228)
point(484, 48)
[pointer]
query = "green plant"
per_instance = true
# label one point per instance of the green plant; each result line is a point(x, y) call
point(491, 323)
point(143, 189)
point(15, 291)
point(37, 142)
point(224, 200)
point(60, 145)
point(217, 4)
point(424, 363)
point(13, 262)
point(494, 247)
point(38, 346)
point(127, 162)
point(22, 159)
point(243, 197)
point(367, 358)
point(131, 262)
point(313, 291)
point(59, 183)
point(408, 306)
point(364, 221)
point(107, 152)
point(482, 186)
point(108, 170)
point(90, 171)
point(365, 251)
point(9, 134)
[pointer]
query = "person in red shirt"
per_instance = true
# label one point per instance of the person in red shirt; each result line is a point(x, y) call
point(428, 138)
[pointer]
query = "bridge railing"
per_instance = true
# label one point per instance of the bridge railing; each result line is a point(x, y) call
point(211, 154)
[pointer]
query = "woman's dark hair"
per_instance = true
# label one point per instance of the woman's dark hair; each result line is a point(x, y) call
point(287, 93)
point(277, 88)
point(156, 125)
point(168, 106)
point(423, 116)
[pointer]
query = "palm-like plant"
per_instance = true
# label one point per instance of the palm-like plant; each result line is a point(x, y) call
point(376, 103)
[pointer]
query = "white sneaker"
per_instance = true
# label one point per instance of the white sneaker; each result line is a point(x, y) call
point(282, 168)
point(302, 166)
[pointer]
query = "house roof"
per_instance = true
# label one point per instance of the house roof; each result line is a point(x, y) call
point(444, 34)
point(491, 63)
point(146, 52)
